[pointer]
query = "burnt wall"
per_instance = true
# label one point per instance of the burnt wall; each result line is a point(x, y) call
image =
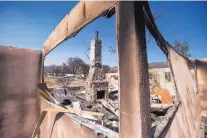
point(185, 122)
point(201, 76)
point(19, 101)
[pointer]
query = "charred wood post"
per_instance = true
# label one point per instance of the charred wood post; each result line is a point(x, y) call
point(134, 94)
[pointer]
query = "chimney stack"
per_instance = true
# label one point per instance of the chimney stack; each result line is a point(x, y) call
point(96, 83)
point(96, 34)
point(95, 51)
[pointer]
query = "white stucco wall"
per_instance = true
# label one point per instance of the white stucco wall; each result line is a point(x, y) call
point(164, 84)
point(113, 82)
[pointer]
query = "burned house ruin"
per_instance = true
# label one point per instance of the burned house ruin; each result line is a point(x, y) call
point(26, 101)
point(96, 83)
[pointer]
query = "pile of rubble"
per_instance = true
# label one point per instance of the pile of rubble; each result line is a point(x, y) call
point(108, 106)
point(205, 127)
point(99, 99)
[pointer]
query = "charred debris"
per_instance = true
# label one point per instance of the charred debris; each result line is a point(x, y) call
point(99, 98)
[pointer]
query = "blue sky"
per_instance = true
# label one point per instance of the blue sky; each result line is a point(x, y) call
point(28, 24)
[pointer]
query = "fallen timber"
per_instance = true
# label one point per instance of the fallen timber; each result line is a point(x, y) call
point(92, 125)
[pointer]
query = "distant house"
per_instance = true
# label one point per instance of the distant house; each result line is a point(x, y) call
point(159, 75)
point(113, 80)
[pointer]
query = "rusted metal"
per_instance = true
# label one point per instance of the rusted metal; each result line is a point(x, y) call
point(134, 94)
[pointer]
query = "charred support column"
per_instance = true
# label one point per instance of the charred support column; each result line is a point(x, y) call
point(42, 70)
point(134, 94)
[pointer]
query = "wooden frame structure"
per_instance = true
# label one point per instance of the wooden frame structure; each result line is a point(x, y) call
point(21, 71)
point(134, 94)
point(132, 58)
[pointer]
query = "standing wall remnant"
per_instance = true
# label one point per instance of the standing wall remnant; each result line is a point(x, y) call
point(134, 93)
point(201, 76)
point(19, 100)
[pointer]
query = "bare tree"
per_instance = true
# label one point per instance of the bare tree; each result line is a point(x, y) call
point(64, 69)
point(112, 50)
point(182, 48)
point(86, 52)
point(85, 70)
point(75, 64)
point(156, 16)
point(87, 49)
point(106, 68)
point(113, 69)
point(56, 69)
point(64, 82)
point(78, 67)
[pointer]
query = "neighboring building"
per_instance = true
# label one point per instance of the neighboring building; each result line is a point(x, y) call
point(113, 80)
point(159, 75)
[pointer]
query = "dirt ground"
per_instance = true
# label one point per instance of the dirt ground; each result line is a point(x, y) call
point(52, 82)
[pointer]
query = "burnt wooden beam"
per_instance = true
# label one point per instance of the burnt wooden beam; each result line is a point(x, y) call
point(134, 93)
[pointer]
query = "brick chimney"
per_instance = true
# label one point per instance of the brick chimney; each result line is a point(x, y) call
point(96, 84)
point(95, 51)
